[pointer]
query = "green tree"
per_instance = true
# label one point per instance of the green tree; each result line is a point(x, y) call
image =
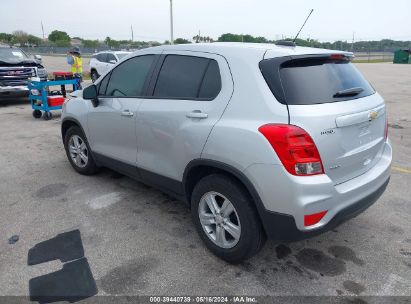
point(33, 40)
point(111, 43)
point(62, 43)
point(90, 43)
point(228, 37)
point(6, 38)
point(20, 37)
point(154, 43)
point(181, 41)
point(59, 36)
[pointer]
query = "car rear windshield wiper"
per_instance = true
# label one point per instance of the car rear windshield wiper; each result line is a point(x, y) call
point(349, 92)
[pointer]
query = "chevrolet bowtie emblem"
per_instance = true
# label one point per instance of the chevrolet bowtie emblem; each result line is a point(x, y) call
point(372, 115)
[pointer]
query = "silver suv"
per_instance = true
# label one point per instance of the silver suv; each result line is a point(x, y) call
point(259, 140)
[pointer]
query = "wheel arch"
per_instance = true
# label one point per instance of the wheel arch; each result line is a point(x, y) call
point(67, 123)
point(200, 168)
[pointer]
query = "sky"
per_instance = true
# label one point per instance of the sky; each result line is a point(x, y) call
point(273, 19)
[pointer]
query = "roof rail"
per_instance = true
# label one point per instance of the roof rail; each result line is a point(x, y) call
point(285, 43)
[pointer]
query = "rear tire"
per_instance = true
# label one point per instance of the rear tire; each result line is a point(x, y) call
point(243, 219)
point(78, 152)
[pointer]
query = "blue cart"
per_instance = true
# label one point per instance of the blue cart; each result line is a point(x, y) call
point(39, 92)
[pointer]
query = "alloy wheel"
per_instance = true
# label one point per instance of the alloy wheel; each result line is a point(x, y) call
point(78, 151)
point(219, 220)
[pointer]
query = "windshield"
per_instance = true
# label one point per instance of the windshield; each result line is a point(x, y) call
point(12, 55)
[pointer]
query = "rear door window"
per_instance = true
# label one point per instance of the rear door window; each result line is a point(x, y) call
point(111, 57)
point(102, 57)
point(188, 77)
point(211, 85)
point(128, 78)
point(318, 80)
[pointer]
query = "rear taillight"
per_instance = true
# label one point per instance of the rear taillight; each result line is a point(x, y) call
point(294, 147)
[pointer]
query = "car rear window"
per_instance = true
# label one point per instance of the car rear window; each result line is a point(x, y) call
point(316, 80)
point(188, 77)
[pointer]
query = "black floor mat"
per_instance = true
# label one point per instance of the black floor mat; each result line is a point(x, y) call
point(64, 247)
point(73, 283)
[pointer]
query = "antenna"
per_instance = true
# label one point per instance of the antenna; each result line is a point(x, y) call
point(132, 34)
point(303, 25)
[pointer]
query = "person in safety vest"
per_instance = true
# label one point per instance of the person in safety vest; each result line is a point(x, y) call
point(74, 59)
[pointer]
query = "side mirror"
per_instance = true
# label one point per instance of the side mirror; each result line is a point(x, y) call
point(113, 61)
point(38, 58)
point(90, 93)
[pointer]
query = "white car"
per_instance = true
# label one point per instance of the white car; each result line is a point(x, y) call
point(103, 61)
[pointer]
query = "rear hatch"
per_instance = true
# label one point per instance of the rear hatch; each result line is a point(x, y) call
point(329, 98)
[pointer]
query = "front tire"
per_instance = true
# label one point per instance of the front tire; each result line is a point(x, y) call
point(226, 219)
point(78, 152)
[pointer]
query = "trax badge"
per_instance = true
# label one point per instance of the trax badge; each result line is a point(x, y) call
point(327, 132)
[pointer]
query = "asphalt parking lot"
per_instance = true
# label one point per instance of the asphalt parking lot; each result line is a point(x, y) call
point(138, 241)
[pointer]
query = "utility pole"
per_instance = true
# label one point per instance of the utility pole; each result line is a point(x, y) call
point(132, 34)
point(171, 23)
point(42, 28)
point(352, 43)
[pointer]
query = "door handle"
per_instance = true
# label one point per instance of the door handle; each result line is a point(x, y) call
point(197, 114)
point(127, 113)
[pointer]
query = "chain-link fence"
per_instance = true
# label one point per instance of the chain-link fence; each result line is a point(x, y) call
point(55, 50)
point(385, 55)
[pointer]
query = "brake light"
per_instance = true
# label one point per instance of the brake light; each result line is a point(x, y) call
point(295, 148)
point(312, 219)
point(337, 56)
point(341, 57)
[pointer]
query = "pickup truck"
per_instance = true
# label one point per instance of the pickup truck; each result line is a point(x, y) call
point(16, 68)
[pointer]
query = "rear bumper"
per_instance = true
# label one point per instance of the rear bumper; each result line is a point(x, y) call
point(14, 91)
point(286, 198)
point(282, 227)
